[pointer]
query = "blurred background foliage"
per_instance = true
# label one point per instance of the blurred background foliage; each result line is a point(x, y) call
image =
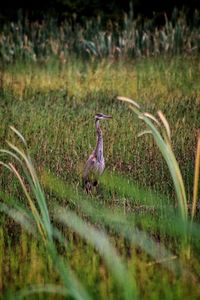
point(109, 9)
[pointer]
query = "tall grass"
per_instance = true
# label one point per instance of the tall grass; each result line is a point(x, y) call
point(60, 107)
point(80, 245)
point(134, 37)
point(196, 178)
point(46, 232)
point(40, 219)
point(39, 214)
point(160, 130)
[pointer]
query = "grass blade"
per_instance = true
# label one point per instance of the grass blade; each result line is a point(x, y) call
point(100, 241)
point(196, 178)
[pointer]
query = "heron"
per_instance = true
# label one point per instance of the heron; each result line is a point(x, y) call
point(95, 164)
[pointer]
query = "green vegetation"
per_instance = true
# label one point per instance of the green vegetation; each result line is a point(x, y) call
point(137, 236)
point(129, 37)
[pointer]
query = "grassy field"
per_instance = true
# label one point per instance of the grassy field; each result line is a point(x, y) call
point(128, 239)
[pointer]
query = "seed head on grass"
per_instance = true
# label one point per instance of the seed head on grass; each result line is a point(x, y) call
point(162, 136)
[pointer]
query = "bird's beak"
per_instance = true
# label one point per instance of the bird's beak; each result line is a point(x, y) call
point(107, 117)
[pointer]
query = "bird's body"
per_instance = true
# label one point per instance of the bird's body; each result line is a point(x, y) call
point(95, 164)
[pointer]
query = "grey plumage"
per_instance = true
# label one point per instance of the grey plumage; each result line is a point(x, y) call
point(95, 164)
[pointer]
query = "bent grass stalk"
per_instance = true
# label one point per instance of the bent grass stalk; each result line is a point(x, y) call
point(164, 145)
point(100, 241)
point(162, 137)
point(122, 224)
point(195, 187)
point(196, 178)
point(48, 233)
point(41, 216)
point(125, 225)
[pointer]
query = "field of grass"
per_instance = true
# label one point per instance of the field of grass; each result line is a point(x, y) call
point(127, 240)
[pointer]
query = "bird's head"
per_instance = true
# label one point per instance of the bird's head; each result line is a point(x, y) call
point(100, 116)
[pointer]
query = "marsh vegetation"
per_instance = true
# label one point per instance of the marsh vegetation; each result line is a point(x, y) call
point(137, 236)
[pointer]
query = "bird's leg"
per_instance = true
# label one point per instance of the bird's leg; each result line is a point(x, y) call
point(87, 187)
point(97, 188)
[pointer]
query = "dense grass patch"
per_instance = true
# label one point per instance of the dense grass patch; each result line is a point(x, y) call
point(60, 107)
point(133, 214)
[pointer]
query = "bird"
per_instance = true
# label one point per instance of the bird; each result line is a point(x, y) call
point(95, 164)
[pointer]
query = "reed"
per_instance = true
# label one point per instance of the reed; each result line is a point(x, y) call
point(145, 211)
point(160, 130)
point(26, 41)
point(44, 230)
point(39, 216)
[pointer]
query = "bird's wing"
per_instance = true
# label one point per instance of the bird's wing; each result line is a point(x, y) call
point(89, 165)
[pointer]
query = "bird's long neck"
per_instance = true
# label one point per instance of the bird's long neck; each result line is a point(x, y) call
point(99, 144)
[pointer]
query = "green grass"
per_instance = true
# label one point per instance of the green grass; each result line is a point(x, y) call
point(61, 109)
point(128, 238)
